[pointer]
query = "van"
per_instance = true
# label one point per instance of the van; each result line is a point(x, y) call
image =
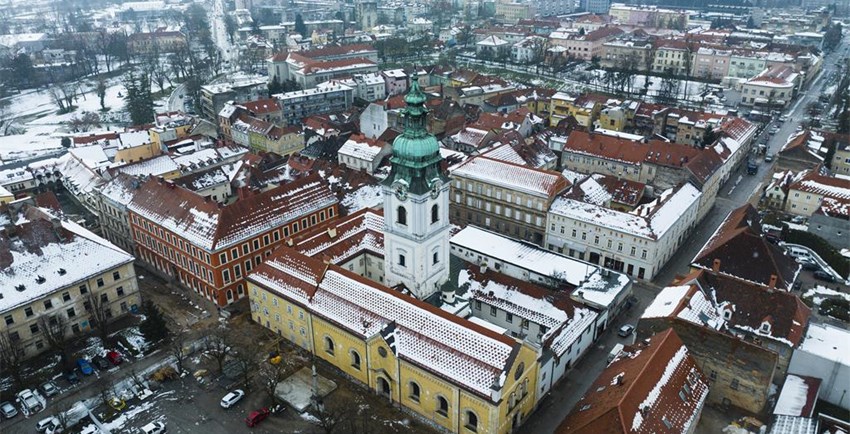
point(615, 352)
point(799, 253)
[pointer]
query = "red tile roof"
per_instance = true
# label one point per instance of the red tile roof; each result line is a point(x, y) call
point(743, 252)
point(639, 392)
point(262, 106)
point(337, 64)
point(616, 148)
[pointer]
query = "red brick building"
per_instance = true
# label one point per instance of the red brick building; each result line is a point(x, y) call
point(209, 247)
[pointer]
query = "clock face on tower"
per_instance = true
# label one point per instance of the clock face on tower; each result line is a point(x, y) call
point(400, 191)
point(435, 188)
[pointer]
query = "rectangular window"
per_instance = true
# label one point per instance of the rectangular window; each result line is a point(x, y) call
point(265, 240)
point(100, 282)
point(401, 260)
point(104, 297)
point(237, 271)
point(234, 253)
point(509, 317)
point(9, 319)
point(492, 311)
point(116, 275)
point(226, 276)
point(28, 312)
point(48, 304)
point(66, 296)
point(71, 312)
point(120, 291)
point(34, 328)
point(222, 258)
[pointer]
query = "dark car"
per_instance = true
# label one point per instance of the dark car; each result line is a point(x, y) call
point(101, 363)
point(823, 275)
point(257, 416)
point(72, 377)
point(810, 266)
point(85, 366)
point(114, 357)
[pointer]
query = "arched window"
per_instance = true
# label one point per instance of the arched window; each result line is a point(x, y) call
point(401, 215)
point(329, 345)
point(442, 406)
point(355, 360)
point(414, 391)
point(383, 386)
point(435, 213)
point(229, 294)
point(471, 421)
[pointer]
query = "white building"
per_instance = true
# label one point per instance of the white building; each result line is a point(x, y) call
point(825, 354)
point(603, 290)
point(395, 81)
point(638, 242)
point(559, 329)
point(370, 87)
point(374, 120)
point(361, 153)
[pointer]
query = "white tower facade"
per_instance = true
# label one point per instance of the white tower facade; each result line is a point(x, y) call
point(416, 206)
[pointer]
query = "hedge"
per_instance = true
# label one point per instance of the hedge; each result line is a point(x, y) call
point(820, 246)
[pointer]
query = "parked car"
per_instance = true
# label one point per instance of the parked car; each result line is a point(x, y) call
point(823, 275)
point(48, 424)
point(49, 388)
point(100, 363)
point(232, 398)
point(810, 265)
point(257, 416)
point(114, 357)
point(8, 410)
point(772, 238)
point(85, 366)
point(154, 428)
point(783, 118)
point(72, 377)
point(29, 402)
point(626, 330)
point(768, 158)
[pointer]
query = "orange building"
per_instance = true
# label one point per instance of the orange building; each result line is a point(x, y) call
point(210, 247)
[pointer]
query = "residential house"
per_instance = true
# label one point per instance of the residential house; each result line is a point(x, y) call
point(774, 88)
point(802, 151)
point(585, 45)
point(45, 282)
point(395, 81)
point(322, 99)
point(806, 193)
point(650, 387)
point(362, 153)
point(114, 196)
point(638, 242)
point(822, 354)
point(672, 56)
point(506, 197)
point(741, 333)
point(739, 248)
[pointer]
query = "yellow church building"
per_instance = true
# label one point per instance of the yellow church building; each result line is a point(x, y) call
point(452, 372)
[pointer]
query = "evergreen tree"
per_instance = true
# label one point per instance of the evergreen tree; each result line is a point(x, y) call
point(300, 27)
point(153, 328)
point(275, 86)
point(139, 99)
point(709, 137)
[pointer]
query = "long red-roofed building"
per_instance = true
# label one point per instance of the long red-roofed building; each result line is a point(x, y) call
point(210, 247)
point(653, 387)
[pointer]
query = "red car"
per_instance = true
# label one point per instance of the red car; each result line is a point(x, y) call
point(114, 357)
point(256, 416)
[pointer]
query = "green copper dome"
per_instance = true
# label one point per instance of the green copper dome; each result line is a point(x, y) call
point(416, 152)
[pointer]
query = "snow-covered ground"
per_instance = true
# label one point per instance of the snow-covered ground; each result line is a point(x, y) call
point(35, 114)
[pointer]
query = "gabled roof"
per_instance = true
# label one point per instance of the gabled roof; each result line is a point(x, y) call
point(458, 350)
point(513, 176)
point(743, 252)
point(262, 106)
point(827, 186)
point(654, 388)
point(620, 149)
point(337, 241)
point(210, 226)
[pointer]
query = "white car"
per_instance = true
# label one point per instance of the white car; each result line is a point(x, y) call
point(154, 428)
point(232, 398)
point(29, 402)
point(50, 424)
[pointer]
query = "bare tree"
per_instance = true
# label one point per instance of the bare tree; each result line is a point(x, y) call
point(97, 306)
point(270, 375)
point(12, 357)
point(218, 346)
point(332, 416)
point(85, 122)
point(177, 348)
point(63, 407)
point(243, 355)
point(101, 93)
point(55, 329)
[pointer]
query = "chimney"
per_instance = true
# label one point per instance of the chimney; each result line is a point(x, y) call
point(448, 297)
point(716, 265)
point(290, 242)
point(772, 283)
point(170, 184)
point(332, 232)
point(483, 267)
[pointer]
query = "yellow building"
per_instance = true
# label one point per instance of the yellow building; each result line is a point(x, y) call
point(456, 374)
point(584, 108)
point(5, 195)
point(170, 132)
point(282, 141)
point(136, 146)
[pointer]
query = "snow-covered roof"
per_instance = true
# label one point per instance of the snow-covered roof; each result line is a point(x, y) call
point(120, 189)
point(651, 221)
point(362, 150)
point(395, 73)
point(61, 262)
point(829, 342)
point(798, 396)
point(688, 303)
point(346, 238)
point(92, 156)
point(512, 177)
point(131, 139)
point(458, 350)
point(564, 321)
point(197, 159)
point(585, 277)
point(155, 166)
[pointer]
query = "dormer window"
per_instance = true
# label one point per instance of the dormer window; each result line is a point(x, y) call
point(765, 327)
point(727, 314)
